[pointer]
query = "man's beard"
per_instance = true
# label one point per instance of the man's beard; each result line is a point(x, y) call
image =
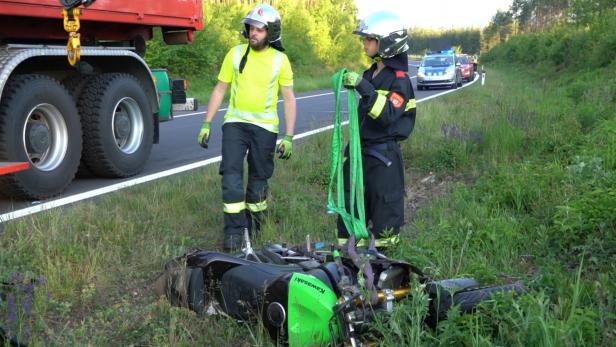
point(259, 45)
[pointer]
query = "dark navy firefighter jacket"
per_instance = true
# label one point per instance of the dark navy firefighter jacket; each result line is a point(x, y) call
point(387, 105)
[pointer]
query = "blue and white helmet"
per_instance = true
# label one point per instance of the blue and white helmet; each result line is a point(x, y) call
point(389, 31)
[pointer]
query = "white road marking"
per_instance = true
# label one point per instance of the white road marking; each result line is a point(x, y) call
point(279, 101)
point(135, 181)
point(108, 189)
point(449, 91)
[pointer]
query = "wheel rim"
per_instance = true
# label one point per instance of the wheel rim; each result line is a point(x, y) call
point(127, 123)
point(45, 137)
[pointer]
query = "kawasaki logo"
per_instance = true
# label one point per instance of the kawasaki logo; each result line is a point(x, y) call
point(309, 284)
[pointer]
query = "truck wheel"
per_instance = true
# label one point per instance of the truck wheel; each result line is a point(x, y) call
point(39, 124)
point(75, 85)
point(118, 125)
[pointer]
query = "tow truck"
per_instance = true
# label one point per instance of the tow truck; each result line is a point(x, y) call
point(75, 90)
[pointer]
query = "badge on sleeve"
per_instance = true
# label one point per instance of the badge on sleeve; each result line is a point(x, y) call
point(396, 99)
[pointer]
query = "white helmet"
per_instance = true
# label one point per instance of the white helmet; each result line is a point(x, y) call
point(388, 29)
point(265, 16)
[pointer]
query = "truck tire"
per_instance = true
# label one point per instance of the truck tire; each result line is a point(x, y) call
point(118, 125)
point(39, 124)
point(75, 85)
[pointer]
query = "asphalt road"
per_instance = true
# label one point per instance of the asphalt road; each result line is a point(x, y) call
point(178, 152)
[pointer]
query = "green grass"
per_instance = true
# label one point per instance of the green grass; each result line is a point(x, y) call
point(532, 198)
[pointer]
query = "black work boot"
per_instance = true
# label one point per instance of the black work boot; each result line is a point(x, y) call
point(232, 242)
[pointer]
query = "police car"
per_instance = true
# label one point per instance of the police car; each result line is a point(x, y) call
point(439, 69)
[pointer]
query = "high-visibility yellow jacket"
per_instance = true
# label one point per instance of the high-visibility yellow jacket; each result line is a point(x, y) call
point(254, 92)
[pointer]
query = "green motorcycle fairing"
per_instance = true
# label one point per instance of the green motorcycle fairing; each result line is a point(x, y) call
point(299, 310)
point(311, 310)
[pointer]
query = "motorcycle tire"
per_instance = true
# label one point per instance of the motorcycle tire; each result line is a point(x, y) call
point(466, 299)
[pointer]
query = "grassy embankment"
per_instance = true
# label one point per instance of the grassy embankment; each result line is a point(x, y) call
point(528, 167)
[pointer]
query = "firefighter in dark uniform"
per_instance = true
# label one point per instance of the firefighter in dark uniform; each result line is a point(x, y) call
point(386, 117)
point(256, 72)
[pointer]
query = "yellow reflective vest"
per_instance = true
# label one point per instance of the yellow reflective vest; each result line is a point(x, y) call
point(254, 92)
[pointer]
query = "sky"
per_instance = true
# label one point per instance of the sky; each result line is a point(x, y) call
point(436, 14)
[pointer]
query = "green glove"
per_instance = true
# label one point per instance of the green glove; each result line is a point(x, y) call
point(285, 147)
point(204, 134)
point(351, 80)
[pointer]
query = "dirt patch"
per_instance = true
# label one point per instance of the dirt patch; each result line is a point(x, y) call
point(423, 188)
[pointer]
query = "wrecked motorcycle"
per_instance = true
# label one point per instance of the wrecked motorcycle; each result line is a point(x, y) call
point(307, 296)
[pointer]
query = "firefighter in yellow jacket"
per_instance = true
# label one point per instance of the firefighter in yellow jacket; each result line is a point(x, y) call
point(256, 72)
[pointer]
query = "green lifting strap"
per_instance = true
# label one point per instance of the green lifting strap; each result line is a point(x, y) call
point(355, 221)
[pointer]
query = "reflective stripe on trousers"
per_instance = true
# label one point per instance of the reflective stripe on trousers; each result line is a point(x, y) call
point(381, 242)
point(257, 206)
point(234, 207)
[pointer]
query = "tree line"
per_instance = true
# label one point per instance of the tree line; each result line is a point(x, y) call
point(316, 35)
point(522, 17)
point(534, 16)
point(466, 40)
point(584, 40)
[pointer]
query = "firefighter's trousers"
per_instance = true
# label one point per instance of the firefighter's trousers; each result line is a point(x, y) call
point(245, 209)
point(383, 189)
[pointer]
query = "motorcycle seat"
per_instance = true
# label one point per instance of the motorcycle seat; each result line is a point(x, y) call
point(242, 288)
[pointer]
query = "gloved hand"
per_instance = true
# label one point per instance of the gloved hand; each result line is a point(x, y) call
point(204, 134)
point(351, 79)
point(285, 147)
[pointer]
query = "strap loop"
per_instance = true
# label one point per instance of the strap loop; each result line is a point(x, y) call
point(354, 217)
